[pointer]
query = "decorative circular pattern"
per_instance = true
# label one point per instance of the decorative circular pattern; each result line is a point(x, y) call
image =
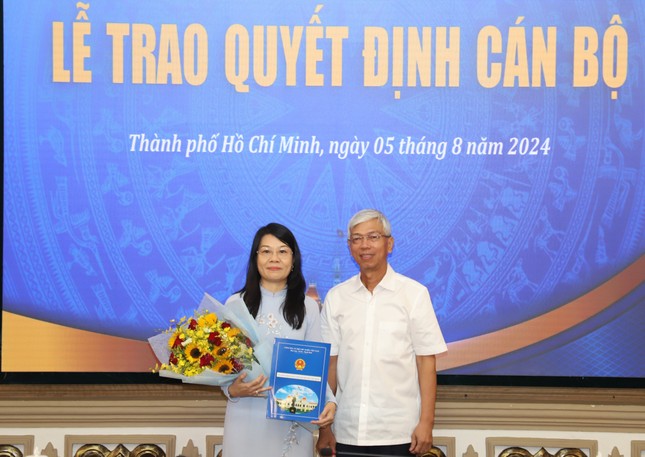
point(117, 241)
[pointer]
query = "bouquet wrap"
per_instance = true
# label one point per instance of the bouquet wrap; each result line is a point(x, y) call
point(237, 316)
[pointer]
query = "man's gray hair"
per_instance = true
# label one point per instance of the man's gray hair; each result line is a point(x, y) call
point(365, 215)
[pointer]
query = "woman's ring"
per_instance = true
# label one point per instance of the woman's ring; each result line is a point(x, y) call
point(257, 393)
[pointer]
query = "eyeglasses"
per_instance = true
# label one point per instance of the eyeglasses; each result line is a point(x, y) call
point(371, 238)
point(282, 253)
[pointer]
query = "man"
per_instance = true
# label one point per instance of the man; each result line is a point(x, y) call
point(384, 336)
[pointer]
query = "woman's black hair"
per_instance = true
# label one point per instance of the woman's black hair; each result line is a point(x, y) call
point(293, 308)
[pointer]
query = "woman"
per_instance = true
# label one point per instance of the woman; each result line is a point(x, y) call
point(274, 294)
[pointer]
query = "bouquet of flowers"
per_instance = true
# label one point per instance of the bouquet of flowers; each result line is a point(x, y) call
point(212, 347)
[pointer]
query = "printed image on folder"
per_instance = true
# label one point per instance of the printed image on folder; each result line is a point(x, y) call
point(299, 380)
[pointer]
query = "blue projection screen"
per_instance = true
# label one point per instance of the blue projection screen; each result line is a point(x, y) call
point(145, 143)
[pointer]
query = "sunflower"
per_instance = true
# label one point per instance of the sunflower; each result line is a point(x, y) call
point(192, 352)
point(222, 352)
point(208, 320)
point(232, 333)
point(224, 367)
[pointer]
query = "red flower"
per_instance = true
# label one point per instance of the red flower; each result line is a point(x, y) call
point(206, 360)
point(177, 342)
point(237, 365)
point(213, 338)
point(192, 324)
point(226, 325)
point(173, 359)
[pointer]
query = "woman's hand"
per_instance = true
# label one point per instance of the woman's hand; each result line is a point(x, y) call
point(326, 418)
point(239, 388)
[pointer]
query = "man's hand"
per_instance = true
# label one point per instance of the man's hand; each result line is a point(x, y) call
point(421, 439)
point(422, 435)
point(327, 441)
point(326, 418)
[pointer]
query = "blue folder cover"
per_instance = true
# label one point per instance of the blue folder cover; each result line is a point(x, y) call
point(299, 380)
